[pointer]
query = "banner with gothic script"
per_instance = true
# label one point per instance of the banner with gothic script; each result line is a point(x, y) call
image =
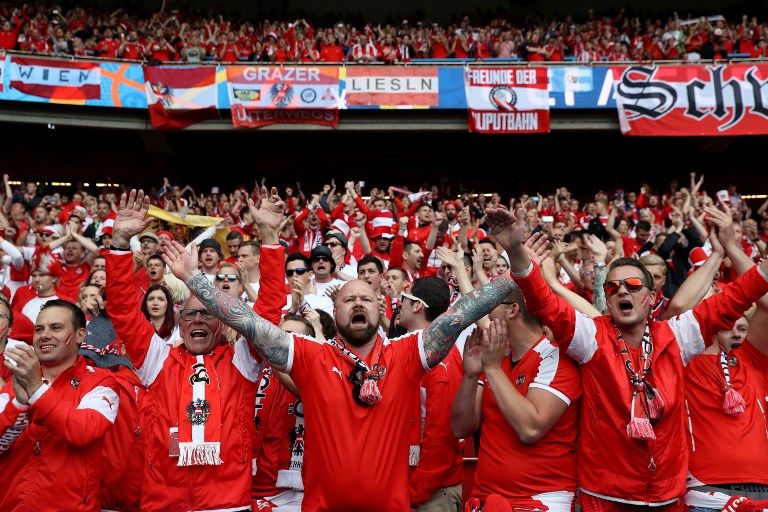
point(507, 100)
point(715, 99)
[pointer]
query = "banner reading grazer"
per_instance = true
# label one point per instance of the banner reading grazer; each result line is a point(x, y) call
point(263, 95)
point(507, 100)
point(692, 100)
point(56, 79)
point(180, 96)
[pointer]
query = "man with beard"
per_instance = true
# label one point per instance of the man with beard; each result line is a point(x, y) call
point(352, 386)
point(632, 452)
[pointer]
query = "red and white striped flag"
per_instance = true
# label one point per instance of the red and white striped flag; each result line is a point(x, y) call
point(507, 100)
point(56, 79)
point(180, 96)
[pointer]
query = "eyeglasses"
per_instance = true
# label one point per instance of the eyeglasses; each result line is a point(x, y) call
point(298, 271)
point(227, 277)
point(188, 315)
point(632, 284)
point(331, 245)
point(414, 298)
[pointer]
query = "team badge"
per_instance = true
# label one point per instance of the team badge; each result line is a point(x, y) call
point(75, 382)
point(732, 361)
point(198, 411)
point(520, 380)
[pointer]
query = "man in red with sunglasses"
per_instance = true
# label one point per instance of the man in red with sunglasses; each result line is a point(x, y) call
point(632, 451)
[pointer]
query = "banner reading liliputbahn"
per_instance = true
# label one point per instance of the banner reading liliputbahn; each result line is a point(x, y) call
point(264, 95)
point(507, 100)
point(715, 99)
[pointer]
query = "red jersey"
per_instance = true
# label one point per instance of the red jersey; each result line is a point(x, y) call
point(511, 468)
point(72, 276)
point(368, 442)
point(610, 464)
point(279, 445)
point(441, 463)
point(724, 448)
point(332, 53)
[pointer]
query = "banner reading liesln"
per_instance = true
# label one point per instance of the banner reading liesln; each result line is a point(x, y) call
point(391, 86)
point(264, 95)
point(715, 99)
point(507, 100)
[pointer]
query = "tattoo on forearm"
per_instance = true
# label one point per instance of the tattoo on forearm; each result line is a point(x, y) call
point(440, 336)
point(267, 338)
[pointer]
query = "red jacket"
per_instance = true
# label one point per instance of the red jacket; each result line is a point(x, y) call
point(50, 452)
point(123, 449)
point(609, 463)
point(441, 463)
point(168, 487)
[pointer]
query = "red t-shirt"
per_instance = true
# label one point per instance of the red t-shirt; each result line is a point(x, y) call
point(370, 443)
point(517, 471)
point(72, 276)
point(724, 448)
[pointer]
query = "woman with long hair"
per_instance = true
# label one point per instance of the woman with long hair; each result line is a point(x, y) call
point(157, 306)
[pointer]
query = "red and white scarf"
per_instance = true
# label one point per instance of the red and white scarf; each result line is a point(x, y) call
point(733, 402)
point(200, 414)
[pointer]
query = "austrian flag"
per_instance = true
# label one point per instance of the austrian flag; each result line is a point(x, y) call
point(55, 79)
point(507, 100)
point(180, 96)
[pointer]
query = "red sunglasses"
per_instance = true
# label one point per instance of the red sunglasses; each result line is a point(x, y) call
point(632, 284)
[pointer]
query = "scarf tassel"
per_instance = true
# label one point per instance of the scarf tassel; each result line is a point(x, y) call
point(200, 454)
point(655, 405)
point(733, 402)
point(369, 392)
point(639, 427)
point(290, 479)
point(414, 454)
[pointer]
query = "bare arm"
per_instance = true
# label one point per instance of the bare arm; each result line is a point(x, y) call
point(578, 302)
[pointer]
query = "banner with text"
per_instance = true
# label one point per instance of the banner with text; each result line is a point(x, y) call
point(392, 86)
point(263, 95)
point(507, 100)
point(693, 100)
point(57, 80)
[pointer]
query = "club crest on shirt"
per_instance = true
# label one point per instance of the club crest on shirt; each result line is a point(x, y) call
point(520, 380)
point(198, 411)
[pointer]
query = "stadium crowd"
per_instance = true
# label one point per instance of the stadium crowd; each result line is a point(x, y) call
point(175, 36)
point(342, 350)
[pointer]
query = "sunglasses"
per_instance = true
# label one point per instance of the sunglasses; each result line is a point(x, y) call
point(227, 277)
point(189, 314)
point(632, 284)
point(321, 258)
point(414, 298)
point(46, 234)
point(297, 271)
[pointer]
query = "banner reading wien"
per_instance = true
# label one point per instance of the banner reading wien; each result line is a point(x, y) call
point(692, 100)
point(264, 95)
point(507, 100)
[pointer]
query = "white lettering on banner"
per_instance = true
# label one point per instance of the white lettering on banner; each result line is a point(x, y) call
point(503, 121)
point(382, 84)
point(281, 74)
point(503, 77)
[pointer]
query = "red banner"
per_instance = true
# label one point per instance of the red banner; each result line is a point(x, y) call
point(391, 86)
point(56, 79)
point(715, 99)
point(243, 117)
point(507, 100)
point(180, 96)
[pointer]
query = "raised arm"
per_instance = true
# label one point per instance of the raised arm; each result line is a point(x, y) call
point(269, 341)
point(441, 334)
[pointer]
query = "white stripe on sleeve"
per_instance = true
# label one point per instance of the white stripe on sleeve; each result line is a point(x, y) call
point(102, 399)
point(244, 361)
point(549, 361)
point(153, 362)
point(584, 343)
point(688, 335)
